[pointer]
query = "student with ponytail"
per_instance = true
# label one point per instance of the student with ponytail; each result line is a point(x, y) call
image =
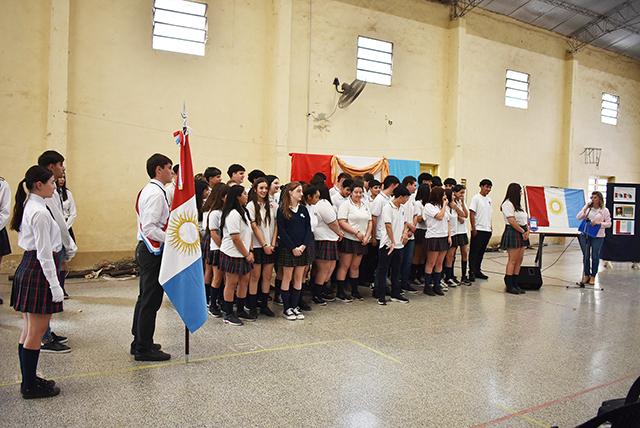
point(36, 288)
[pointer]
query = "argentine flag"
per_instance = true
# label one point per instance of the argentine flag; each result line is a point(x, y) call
point(181, 271)
point(555, 208)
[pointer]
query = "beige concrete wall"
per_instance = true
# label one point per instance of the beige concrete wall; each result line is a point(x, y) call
point(270, 62)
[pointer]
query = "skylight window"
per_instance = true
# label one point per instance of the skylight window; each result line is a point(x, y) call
point(609, 111)
point(375, 61)
point(517, 90)
point(180, 26)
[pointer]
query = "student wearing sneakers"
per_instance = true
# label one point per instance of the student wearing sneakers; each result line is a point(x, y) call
point(515, 237)
point(262, 214)
point(392, 242)
point(294, 229)
point(354, 217)
point(212, 274)
point(412, 220)
point(438, 239)
point(36, 290)
point(461, 239)
point(152, 212)
point(419, 251)
point(456, 213)
point(327, 234)
point(480, 210)
point(236, 257)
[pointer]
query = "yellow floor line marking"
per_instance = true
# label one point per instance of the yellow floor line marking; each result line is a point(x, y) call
point(377, 352)
point(173, 363)
point(522, 416)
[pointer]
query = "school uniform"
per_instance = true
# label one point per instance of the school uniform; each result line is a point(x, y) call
point(5, 213)
point(481, 206)
point(37, 273)
point(267, 229)
point(411, 211)
point(357, 217)
point(69, 247)
point(326, 240)
point(396, 217)
point(461, 234)
point(231, 259)
point(437, 237)
point(293, 232)
point(511, 238)
point(152, 216)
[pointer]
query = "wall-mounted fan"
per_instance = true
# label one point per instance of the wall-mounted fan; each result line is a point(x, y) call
point(349, 92)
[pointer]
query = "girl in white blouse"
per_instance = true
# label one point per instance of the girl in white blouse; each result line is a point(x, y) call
point(68, 204)
point(212, 273)
point(438, 239)
point(515, 237)
point(36, 288)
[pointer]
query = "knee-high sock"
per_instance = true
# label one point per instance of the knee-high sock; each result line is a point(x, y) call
point(464, 268)
point(228, 307)
point(278, 286)
point(20, 348)
point(317, 290)
point(354, 283)
point(30, 363)
point(207, 290)
point(340, 287)
point(252, 301)
point(286, 299)
point(436, 278)
point(295, 297)
point(242, 302)
point(264, 299)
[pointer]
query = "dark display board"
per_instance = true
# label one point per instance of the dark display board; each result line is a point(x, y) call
point(622, 239)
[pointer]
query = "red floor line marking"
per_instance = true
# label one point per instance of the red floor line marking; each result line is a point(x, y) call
point(557, 401)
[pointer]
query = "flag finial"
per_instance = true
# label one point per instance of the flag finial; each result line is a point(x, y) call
point(184, 115)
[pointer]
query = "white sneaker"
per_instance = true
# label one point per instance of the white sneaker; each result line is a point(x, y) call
point(289, 314)
point(608, 265)
point(635, 265)
point(299, 315)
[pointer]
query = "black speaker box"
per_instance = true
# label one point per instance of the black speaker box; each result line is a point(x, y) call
point(530, 278)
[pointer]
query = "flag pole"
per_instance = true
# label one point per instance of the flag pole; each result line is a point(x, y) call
point(186, 329)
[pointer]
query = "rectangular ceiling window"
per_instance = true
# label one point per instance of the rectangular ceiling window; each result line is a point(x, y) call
point(609, 111)
point(375, 61)
point(517, 90)
point(180, 26)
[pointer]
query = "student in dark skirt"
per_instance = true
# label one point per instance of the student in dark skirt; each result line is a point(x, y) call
point(419, 250)
point(515, 237)
point(212, 274)
point(36, 288)
point(354, 217)
point(326, 234)
point(438, 239)
point(262, 214)
point(294, 228)
point(236, 257)
point(309, 200)
point(5, 211)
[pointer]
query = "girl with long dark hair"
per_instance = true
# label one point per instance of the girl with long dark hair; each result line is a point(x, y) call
point(294, 228)
point(419, 250)
point(262, 214)
point(438, 239)
point(236, 257)
point(515, 237)
point(458, 214)
point(212, 274)
point(36, 290)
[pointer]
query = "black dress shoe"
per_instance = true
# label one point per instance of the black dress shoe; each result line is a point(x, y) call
point(480, 275)
point(152, 355)
point(472, 277)
point(266, 311)
point(428, 290)
point(154, 347)
point(304, 306)
point(40, 391)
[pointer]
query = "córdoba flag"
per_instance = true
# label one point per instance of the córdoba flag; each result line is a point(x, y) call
point(181, 272)
point(554, 207)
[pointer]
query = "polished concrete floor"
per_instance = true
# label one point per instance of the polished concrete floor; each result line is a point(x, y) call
point(473, 358)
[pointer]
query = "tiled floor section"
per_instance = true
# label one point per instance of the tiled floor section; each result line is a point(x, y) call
point(473, 358)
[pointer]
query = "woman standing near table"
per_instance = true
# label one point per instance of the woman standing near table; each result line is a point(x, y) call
point(36, 288)
point(515, 237)
point(596, 214)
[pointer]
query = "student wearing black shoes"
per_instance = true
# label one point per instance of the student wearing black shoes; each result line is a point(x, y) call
point(392, 242)
point(212, 274)
point(262, 214)
point(36, 290)
point(480, 210)
point(294, 229)
point(515, 237)
point(461, 237)
point(438, 239)
point(236, 257)
point(354, 217)
point(419, 251)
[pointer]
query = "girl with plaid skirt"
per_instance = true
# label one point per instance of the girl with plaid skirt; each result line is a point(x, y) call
point(438, 239)
point(212, 274)
point(327, 234)
point(294, 229)
point(354, 217)
point(515, 237)
point(5, 210)
point(457, 222)
point(36, 288)
point(262, 214)
point(236, 257)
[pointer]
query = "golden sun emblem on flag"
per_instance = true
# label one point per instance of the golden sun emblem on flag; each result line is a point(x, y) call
point(183, 233)
point(555, 206)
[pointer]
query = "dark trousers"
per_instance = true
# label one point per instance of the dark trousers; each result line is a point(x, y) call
point(406, 261)
point(149, 298)
point(385, 261)
point(369, 265)
point(477, 248)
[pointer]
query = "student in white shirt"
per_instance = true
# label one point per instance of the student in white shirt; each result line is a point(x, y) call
point(68, 204)
point(262, 213)
point(480, 210)
point(343, 194)
point(419, 251)
point(236, 257)
point(212, 273)
point(326, 234)
point(458, 214)
point(354, 217)
point(515, 237)
point(36, 288)
point(412, 220)
point(391, 249)
point(337, 187)
point(438, 239)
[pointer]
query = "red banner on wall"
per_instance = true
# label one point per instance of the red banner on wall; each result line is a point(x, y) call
point(304, 166)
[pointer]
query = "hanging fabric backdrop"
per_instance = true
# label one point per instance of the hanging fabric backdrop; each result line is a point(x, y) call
point(304, 166)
